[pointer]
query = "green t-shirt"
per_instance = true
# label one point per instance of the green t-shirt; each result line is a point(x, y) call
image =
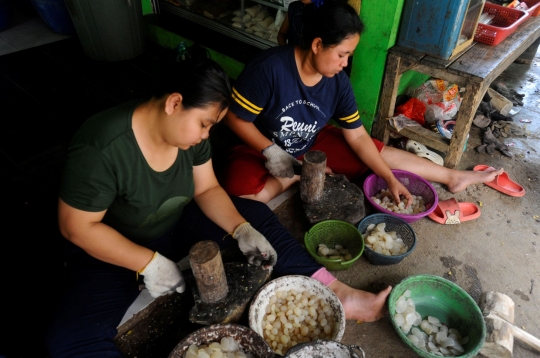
point(105, 169)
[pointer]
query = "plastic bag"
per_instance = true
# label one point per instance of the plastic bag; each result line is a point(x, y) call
point(400, 121)
point(446, 128)
point(413, 109)
point(441, 98)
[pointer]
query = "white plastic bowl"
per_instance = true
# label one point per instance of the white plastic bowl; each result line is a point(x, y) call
point(257, 310)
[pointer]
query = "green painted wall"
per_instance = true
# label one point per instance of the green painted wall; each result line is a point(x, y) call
point(147, 7)
point(382, 21)
point(411, 80)
point(171, 40)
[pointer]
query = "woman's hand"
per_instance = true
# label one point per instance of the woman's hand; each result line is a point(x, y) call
point(279, 163)
point(255, 246)
point(162, 276)
point(396, 189)
point(362, 144)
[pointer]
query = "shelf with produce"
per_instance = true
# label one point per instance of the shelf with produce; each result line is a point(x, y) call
point(221, 20)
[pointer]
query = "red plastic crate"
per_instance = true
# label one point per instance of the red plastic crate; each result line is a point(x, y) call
point(504, 23)
point(533, 7)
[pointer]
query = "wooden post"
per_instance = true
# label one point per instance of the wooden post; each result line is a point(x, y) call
point(313, 175)
point(499, 338)
point(498, 303)
point(499, 102)
point(207, 267)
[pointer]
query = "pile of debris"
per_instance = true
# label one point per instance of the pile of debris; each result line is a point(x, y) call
point(495, 123)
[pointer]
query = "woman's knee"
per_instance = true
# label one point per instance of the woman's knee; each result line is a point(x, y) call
point(64, 340)
point(252, 210)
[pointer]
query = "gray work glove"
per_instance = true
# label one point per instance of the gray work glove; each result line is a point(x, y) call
point(255, 246)
point(162, 276)
point(279, 163)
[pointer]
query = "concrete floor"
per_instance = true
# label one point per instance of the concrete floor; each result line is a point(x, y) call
point(500, 251)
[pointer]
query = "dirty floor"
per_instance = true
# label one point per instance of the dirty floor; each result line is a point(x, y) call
point(500, 251)
point(48, 91)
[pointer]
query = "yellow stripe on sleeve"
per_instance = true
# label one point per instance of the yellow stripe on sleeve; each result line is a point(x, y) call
point(352, 118)
point(245, 103)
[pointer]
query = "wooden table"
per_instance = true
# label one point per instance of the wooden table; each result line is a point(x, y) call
point(474, 70)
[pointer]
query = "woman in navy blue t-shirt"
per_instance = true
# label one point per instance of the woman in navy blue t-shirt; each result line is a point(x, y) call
point(283, 101)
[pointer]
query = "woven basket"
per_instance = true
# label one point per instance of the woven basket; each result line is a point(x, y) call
point(414, 183)
point(404, 230)
point(330, 233)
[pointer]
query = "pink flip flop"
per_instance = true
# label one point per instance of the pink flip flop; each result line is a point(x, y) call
point(502, 182)
point(451, 211)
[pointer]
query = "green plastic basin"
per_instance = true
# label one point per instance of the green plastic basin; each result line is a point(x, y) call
point(438, 297)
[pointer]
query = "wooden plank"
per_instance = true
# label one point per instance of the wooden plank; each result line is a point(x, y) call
point(485, 63)
point(424, 136)
point(407, 53)
point(406, 65)
point(473, 95)
point(442, 64)
point(442, 74)
point(392, 76)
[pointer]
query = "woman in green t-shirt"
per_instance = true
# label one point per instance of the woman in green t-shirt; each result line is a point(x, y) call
point(138, 190)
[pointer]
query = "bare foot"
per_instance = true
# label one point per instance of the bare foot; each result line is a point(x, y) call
point(461, 179)
point(361, 305)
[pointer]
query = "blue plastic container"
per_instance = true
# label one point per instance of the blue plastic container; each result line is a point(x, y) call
point(6, 14)
point(435, 27)
point(55, 14)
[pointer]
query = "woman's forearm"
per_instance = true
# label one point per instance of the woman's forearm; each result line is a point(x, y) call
point(216, 204)
point(362, 144)
point(99, 240)
point(247, 132)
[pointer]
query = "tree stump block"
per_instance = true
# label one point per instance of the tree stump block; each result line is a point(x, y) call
point(244, 281)
point(207, 266)
point(341, 200)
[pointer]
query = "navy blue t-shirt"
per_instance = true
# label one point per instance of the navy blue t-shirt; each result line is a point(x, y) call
point(270, 93)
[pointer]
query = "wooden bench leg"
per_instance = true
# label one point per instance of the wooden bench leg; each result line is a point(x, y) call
point(392, 76)
point(471, 100)
point(527, 57)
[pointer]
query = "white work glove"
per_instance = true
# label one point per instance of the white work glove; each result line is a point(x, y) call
point(279, 163)
point(255, 246)
point(162, 276)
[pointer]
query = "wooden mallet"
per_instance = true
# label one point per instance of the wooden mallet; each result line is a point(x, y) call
point(498, 311)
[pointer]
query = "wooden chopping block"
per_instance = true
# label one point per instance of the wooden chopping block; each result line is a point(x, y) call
point(341, 200)
point(328, 197)
point(243, 281)
point(498, 311)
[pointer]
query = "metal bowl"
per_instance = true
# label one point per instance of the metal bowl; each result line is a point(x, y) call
point(248, 340)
